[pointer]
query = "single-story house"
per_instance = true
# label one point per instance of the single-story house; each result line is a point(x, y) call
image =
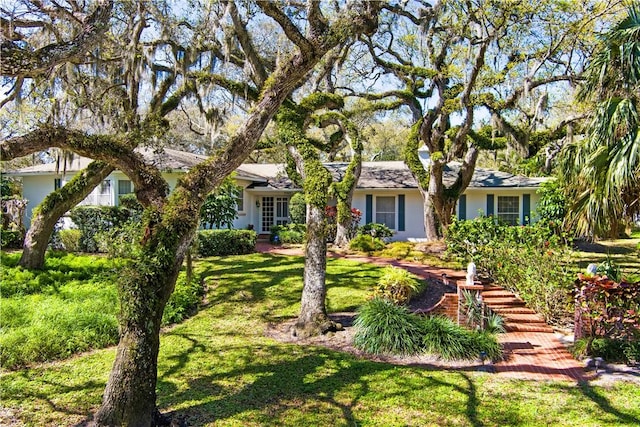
point(386, 192)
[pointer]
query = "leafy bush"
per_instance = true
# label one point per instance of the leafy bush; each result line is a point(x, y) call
point(298, 209)
point(290, 233)
point(184, 300)
point(70, 239)
point(220, 208)
point(552, 206)
point(531, 261)
point(226, 242)
point(366, 243)
point(397, 285)
point(94, 219)
point(383, 327)
point(374, 229)
point(611, 350)
point(10, 238)
point(120, 242)
point(609, 309)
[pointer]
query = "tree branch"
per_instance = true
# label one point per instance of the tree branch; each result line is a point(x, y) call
point(19, 61)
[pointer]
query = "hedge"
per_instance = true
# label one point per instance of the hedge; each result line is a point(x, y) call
point(226, 242)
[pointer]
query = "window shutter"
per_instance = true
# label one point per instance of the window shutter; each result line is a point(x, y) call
point(368, 210)
point(526, 208)
point(401, 226)
point(490, 203)
point(462, 207)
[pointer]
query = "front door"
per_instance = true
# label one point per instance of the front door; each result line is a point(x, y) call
point(275, 211)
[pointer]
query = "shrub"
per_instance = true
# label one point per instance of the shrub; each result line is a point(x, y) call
point(529, 260)
point(366, 243)
point(397, 285)
point(444, 338)
point(374, 229)
point(10, 239)
point(611, 350)
point(184, 300)
point(290, 233)
point(120, 242)
point(383, 327)
point(70, 239)
point(94, 219)
point(226, 242)
point(298, 209)
point(220, 208)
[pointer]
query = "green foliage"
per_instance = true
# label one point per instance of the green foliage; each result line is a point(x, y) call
point(374, 229)
point(383, 327)
point(366, 243)
point(298, 209)
point(120, 242)
point(92, 220)
point(442, 337)
point(553, 204)
point(70, 239)
point(611, 350)
point(9, 188)
point(289, 233)
point(397, 285)
point(68, 307)
point(220, 208)
point(226, 242)
point(530, 260)
point(610, 268)
point(184, 300)
point(10, 239)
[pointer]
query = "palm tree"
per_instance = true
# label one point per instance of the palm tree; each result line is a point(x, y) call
point(602, 171)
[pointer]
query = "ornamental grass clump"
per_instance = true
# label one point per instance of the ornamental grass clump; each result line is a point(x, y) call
point(383, 327)
point(449, 341)
point(397, 285)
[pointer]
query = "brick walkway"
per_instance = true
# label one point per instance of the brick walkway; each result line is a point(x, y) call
point(532, 349)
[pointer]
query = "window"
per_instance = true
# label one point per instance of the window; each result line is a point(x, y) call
point(509, 209)
point(57, 183)
point(386, 211)
point(105, 187)
point(240, 200)
point(124, 187)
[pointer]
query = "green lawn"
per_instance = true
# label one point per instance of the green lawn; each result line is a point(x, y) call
point(623, 252)
point(218, 368)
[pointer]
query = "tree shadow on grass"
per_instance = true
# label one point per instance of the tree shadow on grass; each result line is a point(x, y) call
point(312, 380)
point(603, 403)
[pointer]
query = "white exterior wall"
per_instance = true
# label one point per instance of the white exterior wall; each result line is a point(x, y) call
point(35, 188)
point(414, 221)
point(477, 200)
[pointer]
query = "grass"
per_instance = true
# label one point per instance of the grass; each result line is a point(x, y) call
point(624, 252)
point(218, 368)
point(67, 307)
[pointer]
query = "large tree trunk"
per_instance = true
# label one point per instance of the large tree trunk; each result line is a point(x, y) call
point(313, 319)
point(130, 395)
point(47, 214)
point(430, 218)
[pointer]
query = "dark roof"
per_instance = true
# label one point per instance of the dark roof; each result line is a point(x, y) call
point(381, 175)
point(375, 175)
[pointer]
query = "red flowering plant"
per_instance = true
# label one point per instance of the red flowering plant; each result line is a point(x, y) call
point(331, 217)
point(606, 308)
